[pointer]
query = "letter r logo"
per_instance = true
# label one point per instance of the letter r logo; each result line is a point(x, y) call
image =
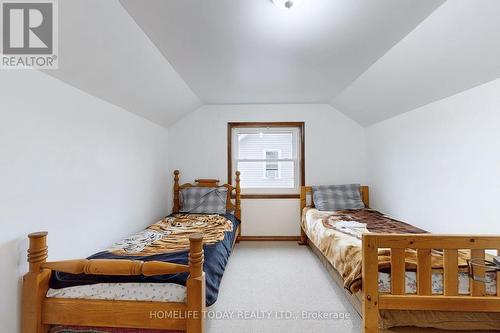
point(27, 28)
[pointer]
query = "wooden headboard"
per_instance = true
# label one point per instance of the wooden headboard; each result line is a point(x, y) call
point(305, 190)
point(230, 206)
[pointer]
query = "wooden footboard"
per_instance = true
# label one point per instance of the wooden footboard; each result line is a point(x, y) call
point(397, 299)
point(39, 312)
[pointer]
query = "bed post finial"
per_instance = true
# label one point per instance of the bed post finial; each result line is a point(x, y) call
point(196, 303)
point(303, 204)
point(237, 209)
point(196, 256)
point(35, 284)
point(177, 206)
point(38, 251)
point(238, 197)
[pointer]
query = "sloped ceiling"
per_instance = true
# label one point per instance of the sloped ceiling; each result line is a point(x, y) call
point(453, 50)
point(236, 51)
point(370, 59)
point(104, 52)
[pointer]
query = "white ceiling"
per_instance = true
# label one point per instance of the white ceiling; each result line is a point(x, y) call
point(250, 51)
point(370, 59)
point(104, 52)
point(455, 49)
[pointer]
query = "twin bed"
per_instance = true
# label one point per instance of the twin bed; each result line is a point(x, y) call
point(159, 280)
point(163, 278)
point(397, 275)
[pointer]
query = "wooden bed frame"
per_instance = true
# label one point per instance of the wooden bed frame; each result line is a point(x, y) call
point(230, 207)
point(39, 312)
point(370, 300)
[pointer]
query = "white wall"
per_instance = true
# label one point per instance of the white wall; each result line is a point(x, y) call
point(335, 153)
point(438, 166)
point(73, 165)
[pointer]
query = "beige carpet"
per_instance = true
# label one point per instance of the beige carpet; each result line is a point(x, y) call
point(279, 287)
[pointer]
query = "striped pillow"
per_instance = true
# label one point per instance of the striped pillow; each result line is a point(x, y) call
point(204, 200)
point(337, 197)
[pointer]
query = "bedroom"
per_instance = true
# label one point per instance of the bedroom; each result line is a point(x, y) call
point(398, 96)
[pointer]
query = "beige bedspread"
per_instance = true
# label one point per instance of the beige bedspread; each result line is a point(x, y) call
point(338, 236)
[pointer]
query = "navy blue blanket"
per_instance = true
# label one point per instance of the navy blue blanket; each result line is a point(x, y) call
point(216, 257)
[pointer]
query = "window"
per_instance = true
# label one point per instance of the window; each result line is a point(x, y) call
point(272, 168)
point(268, 155)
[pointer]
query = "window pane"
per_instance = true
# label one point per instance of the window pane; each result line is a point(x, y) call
point(272, 166)
point(265, 145)
point(272, 173)
point(272, 155)
point(266, 175)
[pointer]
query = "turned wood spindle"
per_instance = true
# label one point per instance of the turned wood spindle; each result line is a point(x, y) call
point(35, 285)
point(176, 192)
point(196, 256)
point(38, 250)
point(237, 212)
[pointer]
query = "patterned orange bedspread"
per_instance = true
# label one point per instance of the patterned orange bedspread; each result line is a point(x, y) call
point(338, 236)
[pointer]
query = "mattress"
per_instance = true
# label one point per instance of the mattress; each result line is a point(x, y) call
point(152, 292)
point(81, 329)
point(384, 283)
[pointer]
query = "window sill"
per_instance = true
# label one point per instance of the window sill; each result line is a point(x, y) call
point(270, 196)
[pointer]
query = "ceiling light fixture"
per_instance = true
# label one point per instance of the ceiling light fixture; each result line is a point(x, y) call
point(287, 4)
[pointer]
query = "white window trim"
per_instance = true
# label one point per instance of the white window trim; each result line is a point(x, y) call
point(296, 160)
